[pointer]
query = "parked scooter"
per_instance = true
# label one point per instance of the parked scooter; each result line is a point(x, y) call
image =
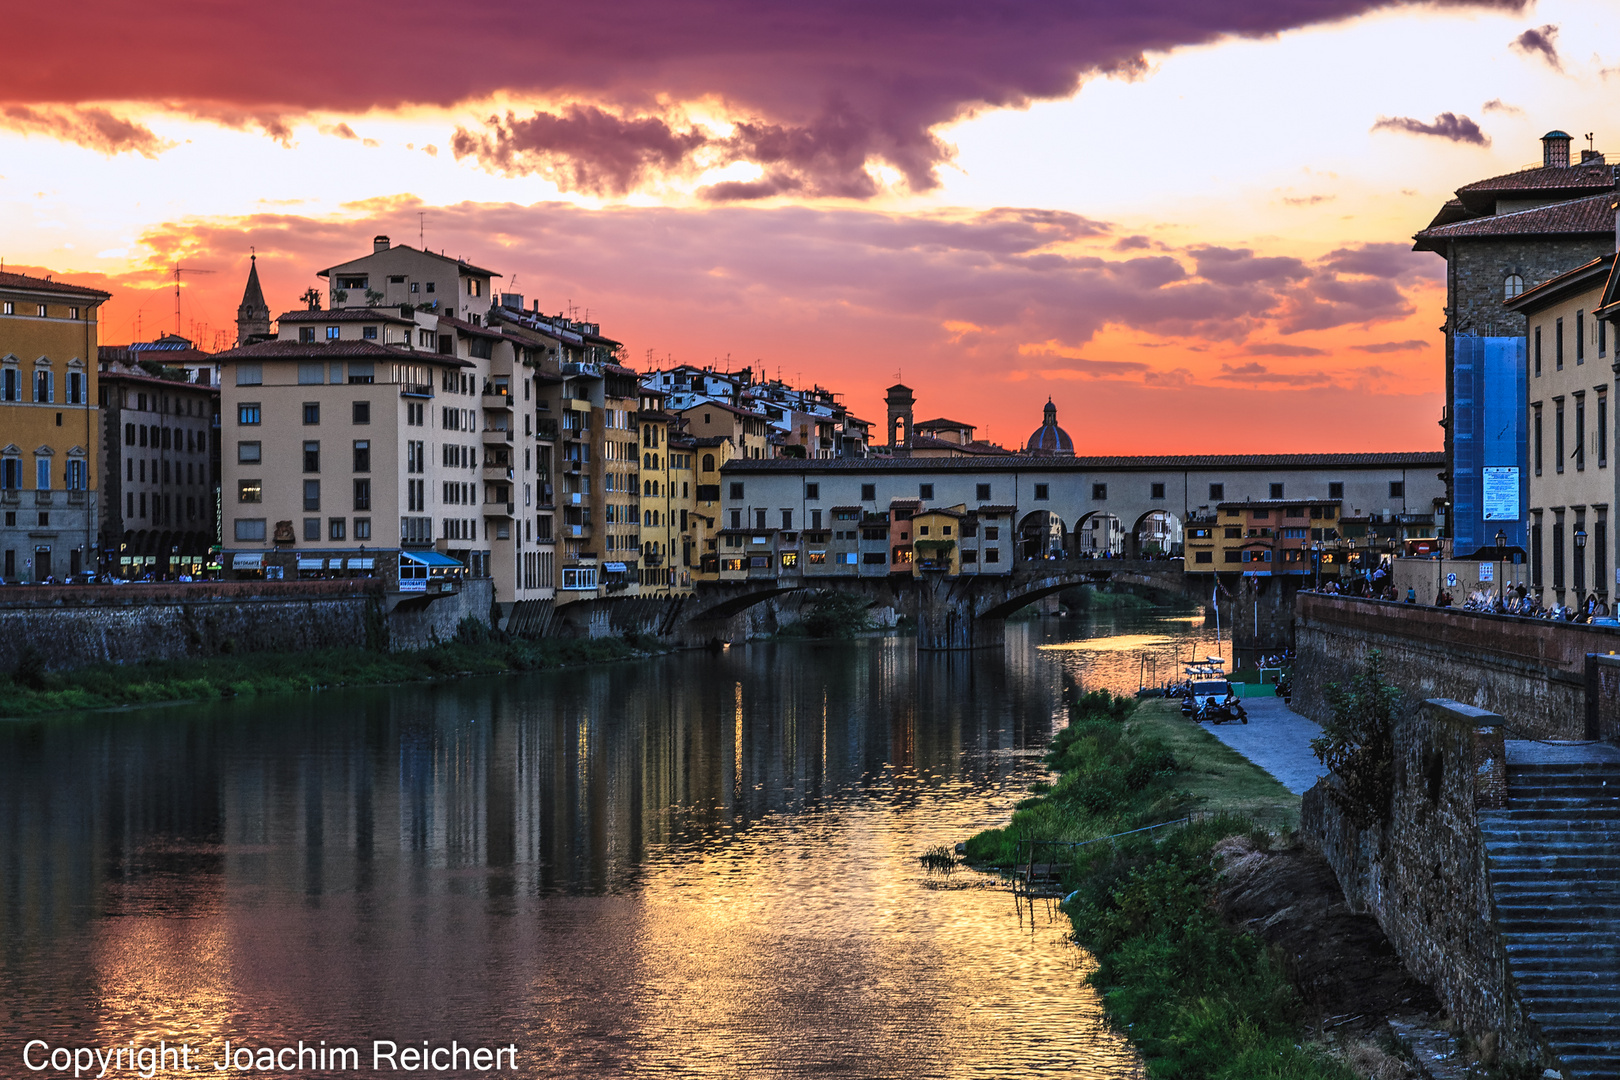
point(1222, 712)
point(1285, 686)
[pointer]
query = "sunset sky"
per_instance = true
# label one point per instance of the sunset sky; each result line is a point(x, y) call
point(1187, 222)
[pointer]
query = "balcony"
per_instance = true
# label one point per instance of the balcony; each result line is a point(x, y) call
point(654, 561)
point(497, 401)
point(497, 435)
point(424, 390)
point(578, 434)
point(574, 467)
point(498, 470)
point(545, 427)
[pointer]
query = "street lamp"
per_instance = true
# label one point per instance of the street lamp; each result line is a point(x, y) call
point(1316, 557)
point(1580, 561)
point(1501, 549)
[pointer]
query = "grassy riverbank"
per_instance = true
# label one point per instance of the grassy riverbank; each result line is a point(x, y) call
point(1197, 997)
point(30, 691)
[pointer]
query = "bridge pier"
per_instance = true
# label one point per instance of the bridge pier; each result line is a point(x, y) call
point(947, 615)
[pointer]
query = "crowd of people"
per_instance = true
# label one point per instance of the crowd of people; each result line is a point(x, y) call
point(1518, 600)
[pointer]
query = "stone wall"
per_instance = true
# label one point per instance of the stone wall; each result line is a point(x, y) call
point(1423, 874)
point(1533, 671)
point(73, 626)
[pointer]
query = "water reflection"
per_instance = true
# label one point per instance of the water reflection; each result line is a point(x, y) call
point(703, 865)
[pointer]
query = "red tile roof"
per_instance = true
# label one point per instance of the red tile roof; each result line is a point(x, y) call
point(351, 314)
point(1590, 215)
point(1572, 179)
point(1154, 463)
point(323, 350)
point(23, 281)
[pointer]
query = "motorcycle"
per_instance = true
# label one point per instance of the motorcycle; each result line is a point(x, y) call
point(1223, 712)
point(1285, 687)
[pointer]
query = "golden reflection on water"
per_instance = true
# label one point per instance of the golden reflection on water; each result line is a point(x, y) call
point(635, 869)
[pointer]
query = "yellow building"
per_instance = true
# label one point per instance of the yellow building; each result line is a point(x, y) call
point(936, 540)
point(660, 540)
point(49, 424)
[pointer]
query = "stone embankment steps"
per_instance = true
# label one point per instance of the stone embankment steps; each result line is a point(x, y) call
point(1554, 856)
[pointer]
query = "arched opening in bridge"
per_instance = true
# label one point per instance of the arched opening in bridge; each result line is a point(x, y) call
point(1157, 533)
point(1099, 535)
point(1041, 536)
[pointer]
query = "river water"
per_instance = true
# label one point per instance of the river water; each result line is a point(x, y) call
point(698, 865)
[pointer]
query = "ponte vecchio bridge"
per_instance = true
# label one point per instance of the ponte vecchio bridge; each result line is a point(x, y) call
point(789, 525)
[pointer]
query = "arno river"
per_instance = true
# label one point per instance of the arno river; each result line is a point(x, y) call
point(700, 865)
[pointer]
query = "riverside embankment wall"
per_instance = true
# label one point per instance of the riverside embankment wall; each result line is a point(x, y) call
point(1533, 672)
point(75, 625)
point(1422, 872)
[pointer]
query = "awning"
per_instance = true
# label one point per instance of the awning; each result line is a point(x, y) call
point(311, 564)
point(615, 567)
point(247, 562)
point(430, 558)
point(361, 564)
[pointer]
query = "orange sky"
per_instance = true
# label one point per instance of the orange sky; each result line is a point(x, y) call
point(1190, 230)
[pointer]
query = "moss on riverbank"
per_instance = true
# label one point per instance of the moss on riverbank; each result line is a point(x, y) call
point(1200, 999)
point(30, 692)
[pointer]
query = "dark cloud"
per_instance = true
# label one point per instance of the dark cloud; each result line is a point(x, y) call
point(819, 91)
point(1239, 266)
point(1308, 200)
point(1498, 105)
point(1280, 349)
point(1258, 373)
point(1540, 41)
point(1446, 126)
point(1389, 260)
point(1393, 346)
point(583, 148)
point(94, 128)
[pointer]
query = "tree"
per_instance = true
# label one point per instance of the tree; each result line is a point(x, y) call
point(1358, 744)
point(312, 298)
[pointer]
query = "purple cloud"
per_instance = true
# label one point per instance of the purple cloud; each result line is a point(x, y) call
point(1539, 41)
point(1446, 126)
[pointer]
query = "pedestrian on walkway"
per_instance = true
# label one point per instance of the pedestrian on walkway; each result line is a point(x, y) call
point(1411, 595)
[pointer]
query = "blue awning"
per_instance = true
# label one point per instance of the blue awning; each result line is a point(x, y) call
point(615, 567)
point(431, 558)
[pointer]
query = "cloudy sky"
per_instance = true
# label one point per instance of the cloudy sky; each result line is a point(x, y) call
point(1187, 222)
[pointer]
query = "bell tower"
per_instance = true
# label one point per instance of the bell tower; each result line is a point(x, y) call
point(900, 405)
point(253, 314)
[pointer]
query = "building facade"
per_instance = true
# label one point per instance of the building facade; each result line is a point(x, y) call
point(50, 429)
point(1569, 375)
point(160, 462)
point(1499, 237)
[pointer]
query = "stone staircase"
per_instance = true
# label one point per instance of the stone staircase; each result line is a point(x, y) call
point(1554, 860)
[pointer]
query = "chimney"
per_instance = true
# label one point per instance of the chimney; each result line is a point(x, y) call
point(380, 243)
point(1555, 150)
point(1592, 157)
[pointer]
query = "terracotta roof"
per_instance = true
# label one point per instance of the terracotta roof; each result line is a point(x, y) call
point(943, 424)
point(23, 281)
point(468, 328)
point(1271, 504)
point(351, 314)
point(322, 350)
point(723, 407)
point(1145, 463)
point(1571, 179)
point(1592, 214)
point(996, 508)
point(459, 263)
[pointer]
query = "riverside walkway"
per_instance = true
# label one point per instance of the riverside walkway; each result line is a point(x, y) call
point(1277, 739)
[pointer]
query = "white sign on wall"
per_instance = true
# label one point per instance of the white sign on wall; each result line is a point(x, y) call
point(1451, 579)
point(1485, 572)
point(1501, 493)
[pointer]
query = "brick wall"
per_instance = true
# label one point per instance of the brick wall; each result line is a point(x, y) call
point(1423, 875)
point(1531, 671)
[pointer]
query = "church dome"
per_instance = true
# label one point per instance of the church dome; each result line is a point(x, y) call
point(1049, 439)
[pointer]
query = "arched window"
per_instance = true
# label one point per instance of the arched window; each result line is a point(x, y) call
point(708, 463)
point(1512, 286)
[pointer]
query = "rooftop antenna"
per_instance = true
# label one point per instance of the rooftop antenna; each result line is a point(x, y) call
point(178, 270)
point(1589, 137)
point(421, 230)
